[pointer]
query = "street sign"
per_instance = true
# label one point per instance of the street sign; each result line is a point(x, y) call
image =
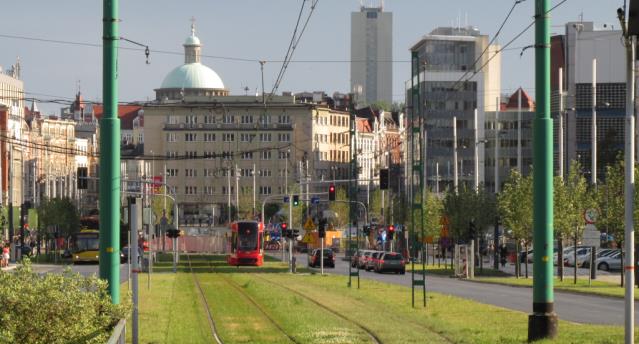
point(590, 215)
point(307, 238)
point(309, 225)
point(286, 199)
point(315, 200)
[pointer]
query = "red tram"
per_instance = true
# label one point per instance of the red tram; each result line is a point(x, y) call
point(246, 244)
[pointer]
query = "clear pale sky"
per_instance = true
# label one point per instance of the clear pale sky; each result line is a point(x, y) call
point(252, 29)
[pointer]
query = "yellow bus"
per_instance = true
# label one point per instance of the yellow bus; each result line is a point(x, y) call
point(85, 246)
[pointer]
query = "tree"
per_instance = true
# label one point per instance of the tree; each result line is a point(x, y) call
point(341, 209)
point(61, 212)
point(158, 206)
point(465, 206)
point(375, 204)
point(578, 199)
point(561, 221)
point(381, 105)
point(515, 204)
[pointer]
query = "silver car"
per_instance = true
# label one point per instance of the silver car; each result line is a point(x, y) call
point(611, 262)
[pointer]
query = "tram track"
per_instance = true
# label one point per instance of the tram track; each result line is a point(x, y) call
point(363, 327)
point(256, 304)
point(212, 326)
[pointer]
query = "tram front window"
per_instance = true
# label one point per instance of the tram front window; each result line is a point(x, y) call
point(247, 233)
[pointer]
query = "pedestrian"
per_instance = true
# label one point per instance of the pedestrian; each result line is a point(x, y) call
point(503, 252)
point(5, 255)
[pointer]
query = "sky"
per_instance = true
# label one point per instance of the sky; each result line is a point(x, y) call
point(253, 30)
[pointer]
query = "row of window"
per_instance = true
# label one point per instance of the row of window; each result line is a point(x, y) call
point(229, 137)
point(228, 119)
point(227, 155)
point(210, 190)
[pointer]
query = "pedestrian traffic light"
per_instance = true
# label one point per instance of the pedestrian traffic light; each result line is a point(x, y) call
point(296, 200)
point(391, 232)
point(383, 179)
point(331, 192)
point(82, 181)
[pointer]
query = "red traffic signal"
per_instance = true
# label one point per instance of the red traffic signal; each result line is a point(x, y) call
point(284, 225)
point(391, 228)
point(331, 192)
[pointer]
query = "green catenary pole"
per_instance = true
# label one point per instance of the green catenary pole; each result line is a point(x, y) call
point(542, 323)
point(110, 155)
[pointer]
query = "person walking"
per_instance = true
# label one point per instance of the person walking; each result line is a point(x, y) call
point(5, 256)
point(503, 253)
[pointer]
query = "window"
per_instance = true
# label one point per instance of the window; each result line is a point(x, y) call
point(209, 137)
point(209, 172)
point(265, 190)
point(265, 137)
point(371, 15)
point(190, 137)
point(246, 156)
point(171, 119)
point(264, 173)
point(190, 190)
point(246, 137)
point(190, 172)
point(190, 154)
point(246, 119)
point(284, 137)
point(209, 119)
point(229, 119)
point(172, 172)
point(265, 155)
point(170, 154)
point(283, 155)
point(265, 120)
point(190, 119)
point(284, 119)
point(228, 137)
point(209, 190)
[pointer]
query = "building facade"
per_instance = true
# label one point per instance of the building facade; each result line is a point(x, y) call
point(372, 55)
point(452, 86)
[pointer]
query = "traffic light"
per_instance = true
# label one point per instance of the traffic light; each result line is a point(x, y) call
point(322, 228)
point(383, 179)
point(285, 231)
point(331, 192)
point(391, 232)
point(296, 200)
point(172, 233)
point(82, 174)
point(367, 230)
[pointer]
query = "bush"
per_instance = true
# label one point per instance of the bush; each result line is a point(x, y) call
point(55, 308)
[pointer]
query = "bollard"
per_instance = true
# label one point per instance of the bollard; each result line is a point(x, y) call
point(293, 260)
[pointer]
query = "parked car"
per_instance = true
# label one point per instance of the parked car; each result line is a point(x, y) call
point(583, 254)
point(315, 256)
point(391, 261)
point(609, 262)
point(604, 252)
point(372, 261)
point(365, 255)
point(567, 251)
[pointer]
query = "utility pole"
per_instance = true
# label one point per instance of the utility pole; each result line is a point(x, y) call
point(593, 172)
point(476, 172)
point(519, 130)
point(254, 173)
point(455, 172)
point(12, 245)
point(543, 321)
point(228, 190)
point(237, 193)
point(630, 39)
point(352, 192)
point(561, 123)
point(497, 146)
point(134, 221)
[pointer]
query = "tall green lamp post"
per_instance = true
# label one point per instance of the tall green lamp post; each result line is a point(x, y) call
point(542, 323)
point(109, 190)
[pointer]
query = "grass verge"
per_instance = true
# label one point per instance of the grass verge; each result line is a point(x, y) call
point(582, 286)
point(171, 312)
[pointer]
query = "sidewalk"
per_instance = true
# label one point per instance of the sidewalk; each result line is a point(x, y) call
point(9, 268)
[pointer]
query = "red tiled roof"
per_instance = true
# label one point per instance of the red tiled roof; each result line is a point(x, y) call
point(126, 113)
point(363, 125)
point(526, 101)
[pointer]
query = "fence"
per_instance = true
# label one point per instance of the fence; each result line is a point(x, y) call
point(195, 244)
point(119, 333)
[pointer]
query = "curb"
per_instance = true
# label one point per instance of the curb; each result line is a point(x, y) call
point(9, 268)
point(564, 291)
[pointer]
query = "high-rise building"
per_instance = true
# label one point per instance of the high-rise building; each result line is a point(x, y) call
point(372, 55)
point(574, 52)
point(454, 86)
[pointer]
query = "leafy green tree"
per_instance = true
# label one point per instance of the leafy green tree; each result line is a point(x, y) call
point(579, 198)
point(465, 206)
point(381, 105)
point(375, 205)
point(340, 209)
point(515, 206)
point(61, 212)
point(157, 206)
point(561, 221)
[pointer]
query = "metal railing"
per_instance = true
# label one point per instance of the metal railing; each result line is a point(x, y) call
point(119, 333)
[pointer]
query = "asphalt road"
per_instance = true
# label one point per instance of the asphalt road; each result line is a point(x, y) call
point(572, 307)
